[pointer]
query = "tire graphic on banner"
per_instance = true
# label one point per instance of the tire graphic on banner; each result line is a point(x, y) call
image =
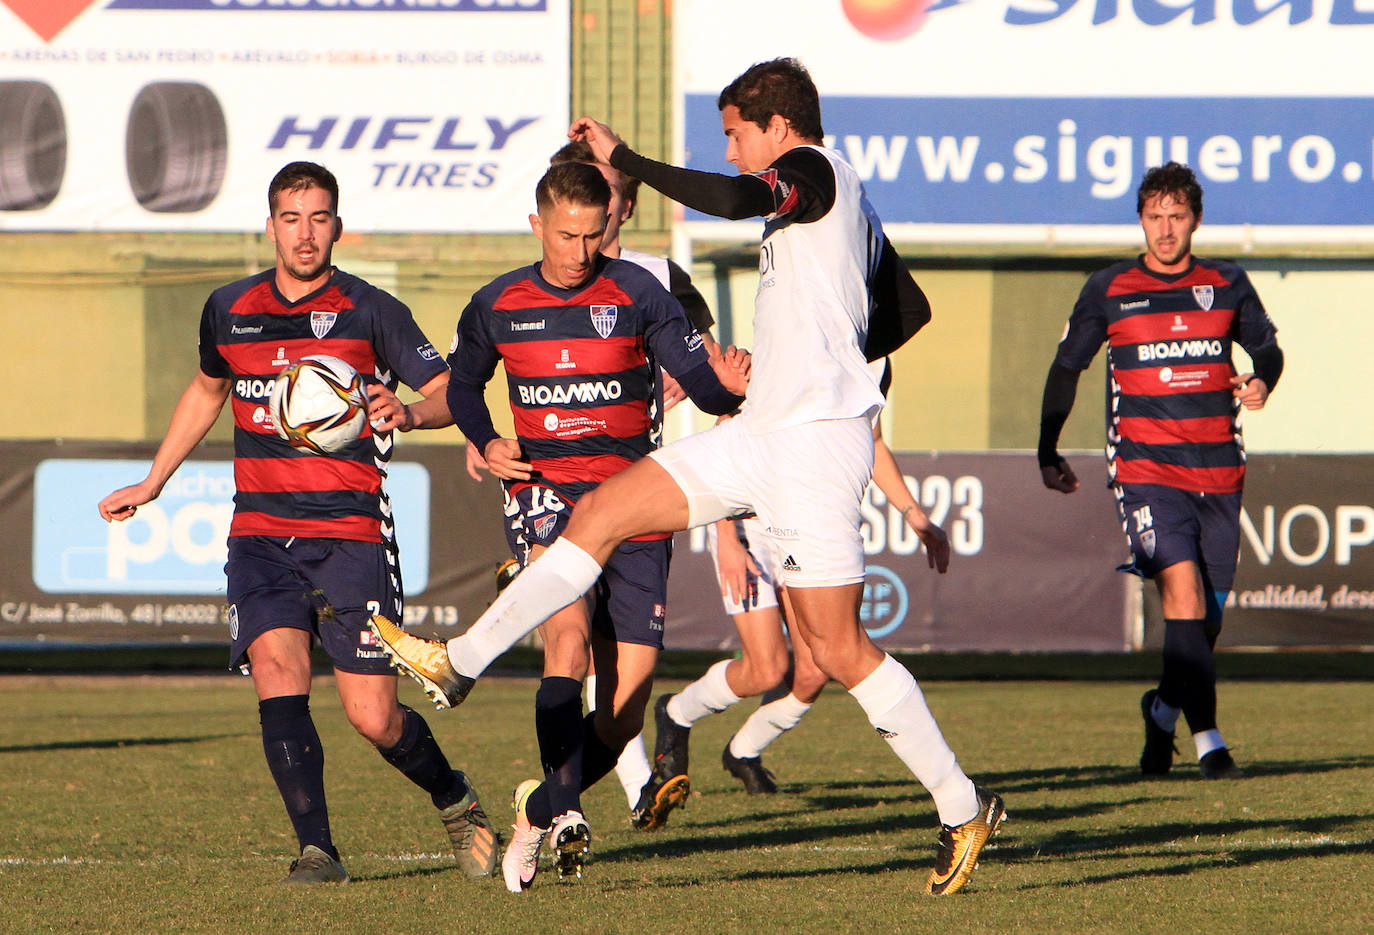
point(33, 145)
point(176, 146)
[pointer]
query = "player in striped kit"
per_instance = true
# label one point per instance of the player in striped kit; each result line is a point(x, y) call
point(581, 336)
point(310, 557)
point(1175, 456)
point(833, 294)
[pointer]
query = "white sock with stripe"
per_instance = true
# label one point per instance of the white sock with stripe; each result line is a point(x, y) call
point(767, 724)
point(709, 694)
point(896, 707)
point(560, 576)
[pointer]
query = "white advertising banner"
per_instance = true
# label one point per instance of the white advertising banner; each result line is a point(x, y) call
point(1035, 119)
point(152, 115)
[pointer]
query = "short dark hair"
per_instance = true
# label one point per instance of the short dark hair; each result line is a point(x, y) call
point(783, 87)
point(295, 176)
point(574, 182)
point(581, 151)
point(1172, 178)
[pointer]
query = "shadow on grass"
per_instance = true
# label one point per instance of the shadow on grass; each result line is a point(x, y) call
point(114, 743)
point(1228, 858)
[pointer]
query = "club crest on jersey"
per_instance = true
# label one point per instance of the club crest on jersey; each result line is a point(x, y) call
point(1147, 542)
point(1204, 296)
point(603, 319)
point(544, 525)
point(321, 322)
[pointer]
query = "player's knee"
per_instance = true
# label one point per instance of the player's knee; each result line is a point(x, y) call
point(807, 685)
point(761, 671)
point(379, 727)
point(618, 729)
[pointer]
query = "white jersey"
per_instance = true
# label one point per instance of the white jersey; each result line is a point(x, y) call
point(658, 265)
point(811, 311)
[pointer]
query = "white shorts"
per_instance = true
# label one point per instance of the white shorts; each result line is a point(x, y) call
point(764, 552)
point(805, 483)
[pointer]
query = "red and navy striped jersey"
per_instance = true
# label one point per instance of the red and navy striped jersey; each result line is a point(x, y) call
point(1172, 418)
point(248, 334)
point(581, 366)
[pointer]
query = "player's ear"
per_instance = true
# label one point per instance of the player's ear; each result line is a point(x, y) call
point(536, 226)
point(271, 232)
point(338, 229)
point(778, 126)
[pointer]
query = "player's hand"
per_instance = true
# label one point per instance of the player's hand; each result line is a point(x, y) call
point(474, 461)
point(739, 575)
point(1250, 390)
point(503, 460)
point(124, 502)
point(733, 368)
point(932, 537)
point(385, 410)
point(601, 138)
point(673, 393)
point(1060, 477)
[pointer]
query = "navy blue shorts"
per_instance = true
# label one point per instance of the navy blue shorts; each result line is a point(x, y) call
point(1165, 526)
point(327, 587)
point(631, 596)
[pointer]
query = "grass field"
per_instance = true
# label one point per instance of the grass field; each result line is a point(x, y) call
point(143, 805)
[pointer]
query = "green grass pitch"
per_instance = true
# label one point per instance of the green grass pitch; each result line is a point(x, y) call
point(143, 805)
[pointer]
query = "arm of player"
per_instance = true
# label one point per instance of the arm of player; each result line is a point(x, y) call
point(735, 568)
point(386, 411)
point(734, 197)
point(1253, 389)
point(888, 476)
point(195, 412)
point(1061, 386)
point(900, 308)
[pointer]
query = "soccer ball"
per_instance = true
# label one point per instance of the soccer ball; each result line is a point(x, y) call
point(319, 404)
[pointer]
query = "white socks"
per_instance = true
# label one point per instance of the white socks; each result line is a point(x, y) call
point(707, 695)
point(560, 576)
point(897, 708)
point(1206, 741)
point(632, 769)
point(767, 724)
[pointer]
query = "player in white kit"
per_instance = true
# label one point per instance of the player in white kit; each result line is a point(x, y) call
point(832, 295)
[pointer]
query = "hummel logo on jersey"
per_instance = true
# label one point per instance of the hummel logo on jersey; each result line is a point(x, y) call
point(1142, 303)
point(321, 322)
point(790, 564)
point(1204, 296)
point(603, 319)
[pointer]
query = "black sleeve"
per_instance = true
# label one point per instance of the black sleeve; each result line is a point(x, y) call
point(1268, 361)
point(705, 390)
point(468, 407)
point(212, 362)
point(680, 285)
point(1061, 386)
point(900, 308)
point(724, 196)
point(472, 363)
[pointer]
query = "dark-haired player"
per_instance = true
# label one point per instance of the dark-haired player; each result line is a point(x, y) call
point(580, 335)
point(310, 557)
point(1174, 452)
point(749, 569)
point(833, 294)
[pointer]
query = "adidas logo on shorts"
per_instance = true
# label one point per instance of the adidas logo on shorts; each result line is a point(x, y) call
point(790, 564)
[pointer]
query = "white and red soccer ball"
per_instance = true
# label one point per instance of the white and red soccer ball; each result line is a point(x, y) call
point(319, 404)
